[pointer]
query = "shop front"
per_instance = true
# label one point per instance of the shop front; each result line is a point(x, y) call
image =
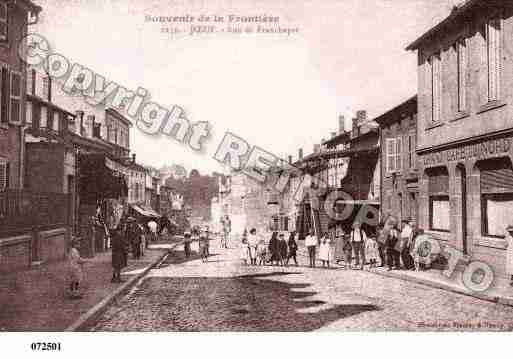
point(466, 196)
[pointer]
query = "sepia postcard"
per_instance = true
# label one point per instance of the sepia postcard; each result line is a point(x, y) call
point(255, 166)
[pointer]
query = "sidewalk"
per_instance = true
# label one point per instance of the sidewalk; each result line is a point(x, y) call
point(37, 299)
point(500, 291)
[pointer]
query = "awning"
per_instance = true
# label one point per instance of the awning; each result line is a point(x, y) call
point(145, 212)
point(97, 181)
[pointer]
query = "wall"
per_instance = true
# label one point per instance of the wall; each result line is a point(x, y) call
point(44, 167)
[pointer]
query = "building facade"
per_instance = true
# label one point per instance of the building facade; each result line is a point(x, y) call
point(399, 168)
point(465, 129)
point(15, 17)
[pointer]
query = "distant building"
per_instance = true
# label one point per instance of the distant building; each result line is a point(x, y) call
point(398, 136)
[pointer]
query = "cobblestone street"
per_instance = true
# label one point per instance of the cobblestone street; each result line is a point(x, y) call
point(224, 295)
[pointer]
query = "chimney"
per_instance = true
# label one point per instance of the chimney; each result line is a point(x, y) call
point(361, 116)
point(300, 154)
point(290, 159)
point(341, 124)
point(333, 134)
point(355, 127)
point(317, 148)
point(133, 157)
point(80, 116)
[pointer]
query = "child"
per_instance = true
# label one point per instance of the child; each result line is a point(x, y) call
point(76, 274)
point(371, 249)
point(244, 251)
point(187, 244)
point(261, 252)
point(325, 250)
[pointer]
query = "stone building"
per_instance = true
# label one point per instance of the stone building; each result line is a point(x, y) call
point(465, 129)
point(399, 184)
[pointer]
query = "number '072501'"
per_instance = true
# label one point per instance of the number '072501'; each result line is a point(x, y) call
point(45, 346)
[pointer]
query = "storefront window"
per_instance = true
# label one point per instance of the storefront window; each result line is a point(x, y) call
point(496, 196)
point(439, 205)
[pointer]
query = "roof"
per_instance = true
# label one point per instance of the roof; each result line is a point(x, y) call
point(34, 98)
point(391, 115)
point(118, 115)
point(458, 13)
point(340, 138)
point(31, 6)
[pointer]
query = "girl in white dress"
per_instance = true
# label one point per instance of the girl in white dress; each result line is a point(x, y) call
point(325, 253)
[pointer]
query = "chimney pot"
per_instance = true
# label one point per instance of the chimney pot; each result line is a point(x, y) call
point(341, 124)
point(290, 159)
point(133, 157)
point(333, 134)
point(300, 154)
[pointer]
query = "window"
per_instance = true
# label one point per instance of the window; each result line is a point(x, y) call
point(493, 53)
point(439, 205)
point(43, 121)
point(411, 151)
point(55, 126)
point(15, 97)
point(390, 154)
point(394, 154)
point(4, 95)
point(496, 178)
point(4, 174)
point(28, 115)
point(4, 22)
point(436, 87)
point(461, 55)
point(45, 92)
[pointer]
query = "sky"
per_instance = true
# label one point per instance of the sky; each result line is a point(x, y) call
point(278, 92)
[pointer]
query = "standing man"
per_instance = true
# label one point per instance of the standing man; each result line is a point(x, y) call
point(311, 244)
point(253, 244)
point(358, 240)
point(406, 240)
point(382, 244)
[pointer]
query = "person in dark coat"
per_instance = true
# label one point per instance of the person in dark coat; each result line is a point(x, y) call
point(119, 255)
point(292, 248)
point(273, 247)
point(133, 235)
point(282, 250)
point(382, 241)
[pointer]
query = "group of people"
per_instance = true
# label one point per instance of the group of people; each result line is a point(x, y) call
point(202, 236)
point(279, 250)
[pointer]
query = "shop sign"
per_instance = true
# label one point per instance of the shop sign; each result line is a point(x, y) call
point(491, 148)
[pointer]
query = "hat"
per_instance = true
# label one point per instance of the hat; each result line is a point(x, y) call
point(509, 228)
point(130, 219)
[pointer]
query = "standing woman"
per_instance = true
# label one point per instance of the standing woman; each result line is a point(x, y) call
point(118, 253)
point(273, 247)
point(311, 245)
point(509, 253)
point(292, 248)
point(282, 249)
point(253, 245)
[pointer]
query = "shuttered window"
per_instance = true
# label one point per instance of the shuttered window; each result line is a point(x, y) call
point(461, 51)
point(493, 48)
point(496, 176)
point(4, 174)
point(15, 100)
point(4, 94)
point(439, 205)
point(436, 86)
point(496, 196)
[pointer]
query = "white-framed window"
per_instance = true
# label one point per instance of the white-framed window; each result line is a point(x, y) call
point(461, 55)
point(56, 120)
point(15, 105)
point(43, 122)
point(4, 22)
point(435, 62)
point(28, 113)
point(390, 154)
point(4, 174)
point(493, 57)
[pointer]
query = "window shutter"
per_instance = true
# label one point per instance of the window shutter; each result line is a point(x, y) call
point(4, 96)
point(497, 176)
point(390, 155)
point(438, 181)
point(15, 98)
point(3, 175)
point(462, 75)
point(398, 154)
